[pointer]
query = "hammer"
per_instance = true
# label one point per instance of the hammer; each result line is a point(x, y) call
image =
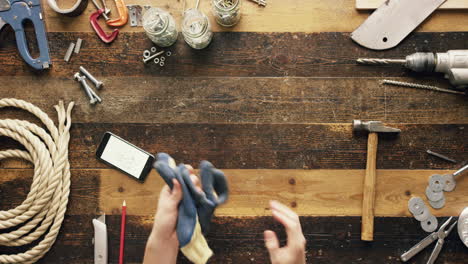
point(373, 127)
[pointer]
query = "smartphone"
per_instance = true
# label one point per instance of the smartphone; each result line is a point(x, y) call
point(124, 156)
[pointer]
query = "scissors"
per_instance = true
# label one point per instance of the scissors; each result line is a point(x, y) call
point(440, 235)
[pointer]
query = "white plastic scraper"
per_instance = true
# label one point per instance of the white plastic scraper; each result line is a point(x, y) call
point(392, 22)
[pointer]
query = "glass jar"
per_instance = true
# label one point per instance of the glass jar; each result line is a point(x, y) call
point(226, 12)
point(196, 29)
point(160, 27)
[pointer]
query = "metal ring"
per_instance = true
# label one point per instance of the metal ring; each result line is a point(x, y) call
point(146, 54)
point(163, 58)
point(168, 53)
point(153, 49)
point(156, 60)
point(161, 63)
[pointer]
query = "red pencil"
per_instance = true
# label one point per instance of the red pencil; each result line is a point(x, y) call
point(122, 232)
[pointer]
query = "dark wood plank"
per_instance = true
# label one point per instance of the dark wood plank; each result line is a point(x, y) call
point(238, 100)
point(330, 54)
point(240, 240)
point(289, 146)
point(84, 191)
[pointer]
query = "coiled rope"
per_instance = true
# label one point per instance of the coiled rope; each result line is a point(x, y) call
point(44, 208)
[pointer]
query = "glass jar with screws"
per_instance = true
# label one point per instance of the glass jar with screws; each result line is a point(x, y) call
point(196, 29)
point(226, 12)
point(160, 27)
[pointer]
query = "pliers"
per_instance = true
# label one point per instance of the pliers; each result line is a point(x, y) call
point(440, 235)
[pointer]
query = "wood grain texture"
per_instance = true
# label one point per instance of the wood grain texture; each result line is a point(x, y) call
point(272, 146)
point(368, 196)
point(240, 240)
point(449, 4)
point(284, 100)
point(278, 16)
point(231, 54)
point(308, 192)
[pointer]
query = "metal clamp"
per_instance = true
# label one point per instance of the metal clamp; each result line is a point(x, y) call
point(93, 19)
point(123, 15)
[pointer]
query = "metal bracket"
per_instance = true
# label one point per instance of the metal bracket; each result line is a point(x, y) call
point(135, 12)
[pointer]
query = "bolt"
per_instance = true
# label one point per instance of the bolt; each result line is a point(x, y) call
point(145, 60)
point(96, 82)
point(82, 80)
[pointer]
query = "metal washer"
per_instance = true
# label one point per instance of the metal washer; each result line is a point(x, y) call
point(433, 196)
point(153, 49)
point(416, 205)
point(449, 182)
point(430, 225)
point(424, 216)
point(436, 182)
point(438, 204)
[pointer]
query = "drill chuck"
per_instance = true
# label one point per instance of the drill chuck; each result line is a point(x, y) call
point(421, 62)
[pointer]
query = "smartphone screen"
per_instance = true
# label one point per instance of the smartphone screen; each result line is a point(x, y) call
point(124, 156)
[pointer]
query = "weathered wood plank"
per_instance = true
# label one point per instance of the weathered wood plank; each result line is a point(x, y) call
point(309, 192)
point(240, 240)
point(239, 100)
point(278, 16)
point(84, 191)
point(449, 4)
point(273, 146)
point(230, 54)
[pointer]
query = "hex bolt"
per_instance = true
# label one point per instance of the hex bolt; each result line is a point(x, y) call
point(96, 82)
point(82, 80)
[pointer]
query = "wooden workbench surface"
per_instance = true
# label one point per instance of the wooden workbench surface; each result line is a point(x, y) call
point(271, 102)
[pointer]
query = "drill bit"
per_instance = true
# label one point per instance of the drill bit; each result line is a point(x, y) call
point(421, 86)
point(370, 61)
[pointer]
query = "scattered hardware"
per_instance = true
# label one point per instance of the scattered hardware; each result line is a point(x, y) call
point(421, 213)
point(227, 13)
point(100, 240)
point(260, 2)
point(88, 75)
point(463, 226)
point(48, 197)
point(160, 27)
point(440, 156)
point(123, 15)
point(440, 183)
point(196, 29)
point(392, 22)
point(75, 10)
point(15, 13)
point(440, 235)
point(147, 56)
point(454, 64)
point(78, 45)
point(69, 52)
point(135, 12)
point(93, 97)
point(93, 19)
point(373, 127)
point(421, 86)
point(198, 206)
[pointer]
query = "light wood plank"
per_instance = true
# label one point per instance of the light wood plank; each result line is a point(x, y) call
point(373, 4)
point(309, 192)
point(278, 16)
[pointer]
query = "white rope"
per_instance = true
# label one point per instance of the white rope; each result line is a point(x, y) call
point(43, 210)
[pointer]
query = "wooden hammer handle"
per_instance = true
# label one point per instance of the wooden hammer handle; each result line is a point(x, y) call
point(367, 228)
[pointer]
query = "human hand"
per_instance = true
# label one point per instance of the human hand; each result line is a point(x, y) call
point(294, 251)
point(163, 245)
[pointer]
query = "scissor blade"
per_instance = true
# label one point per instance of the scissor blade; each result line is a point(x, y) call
point(392, 22)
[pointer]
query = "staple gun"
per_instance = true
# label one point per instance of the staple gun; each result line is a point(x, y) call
point(15, 13)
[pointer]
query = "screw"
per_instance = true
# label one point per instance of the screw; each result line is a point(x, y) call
point(82, 80)
point(96, 82)
point(145, 60)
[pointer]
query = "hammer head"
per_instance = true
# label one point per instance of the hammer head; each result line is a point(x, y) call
point(373, 127)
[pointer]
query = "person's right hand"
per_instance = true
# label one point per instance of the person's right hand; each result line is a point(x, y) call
point(294, 251)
